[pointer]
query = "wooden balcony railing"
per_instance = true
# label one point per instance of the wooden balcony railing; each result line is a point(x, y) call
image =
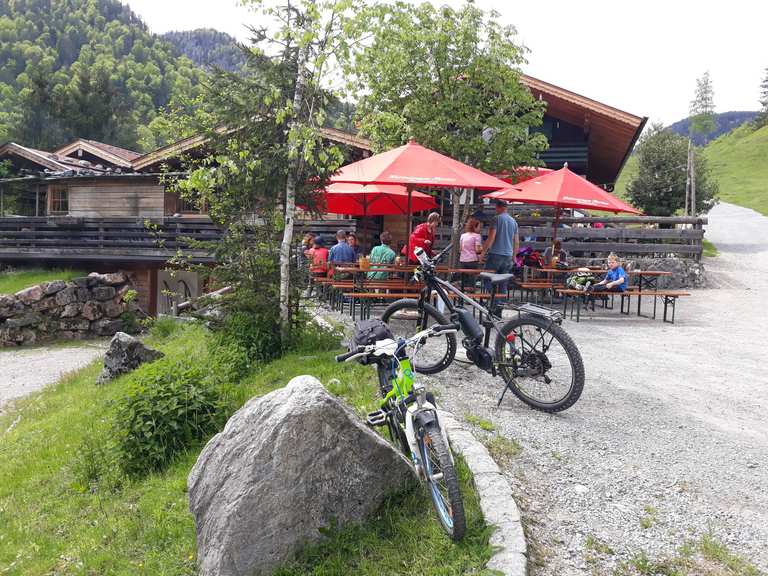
point(105, 239)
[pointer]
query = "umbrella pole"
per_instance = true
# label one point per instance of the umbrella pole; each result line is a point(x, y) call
point(409, 226)
point(554, 231)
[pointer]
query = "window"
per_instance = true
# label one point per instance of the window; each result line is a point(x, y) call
point(59, 200)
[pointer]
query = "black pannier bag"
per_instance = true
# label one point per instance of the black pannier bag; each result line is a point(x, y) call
point(369, 332)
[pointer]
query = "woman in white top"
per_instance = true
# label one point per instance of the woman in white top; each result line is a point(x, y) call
point(471, 244)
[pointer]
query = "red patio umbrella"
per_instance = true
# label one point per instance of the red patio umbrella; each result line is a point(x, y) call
point(374, 199)
point(414, 165)
point(563, 189)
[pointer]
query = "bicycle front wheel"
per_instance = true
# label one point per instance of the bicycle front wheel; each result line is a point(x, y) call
point(540, 363)
point(406, 317)
point(442, 481)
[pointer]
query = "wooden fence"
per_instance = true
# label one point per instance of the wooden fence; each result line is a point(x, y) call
point(130, 239)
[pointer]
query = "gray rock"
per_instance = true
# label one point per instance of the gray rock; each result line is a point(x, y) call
point(54, 287)
point(71, 310)
point(109, 279)
point(113, 309)
point(25, 320)
point(286, 465)
point(84, 282)
point(44, 304)
point(125, 354)
point(74, 324)
point(66, 296)
point(31, 294)
point(83, 295)
point(92, 310)
point(106, 326)
point(103, 292)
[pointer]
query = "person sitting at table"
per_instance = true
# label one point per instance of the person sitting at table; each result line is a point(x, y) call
point(423, 236)
point(562, 255)
point(352, 241)
point(616, 279)
point(382, 254)
point(318, 256)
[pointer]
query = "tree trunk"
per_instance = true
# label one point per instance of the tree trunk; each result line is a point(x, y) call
point(290, 198)
point(456, 226)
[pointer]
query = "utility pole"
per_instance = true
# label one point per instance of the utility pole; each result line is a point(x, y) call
point(688, 178)
point(693, 182)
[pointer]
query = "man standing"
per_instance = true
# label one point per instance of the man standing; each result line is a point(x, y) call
point(502, 244)
point(341, 252)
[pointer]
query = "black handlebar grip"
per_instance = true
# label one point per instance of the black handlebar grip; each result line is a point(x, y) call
point(342, 357)
point(437, 328)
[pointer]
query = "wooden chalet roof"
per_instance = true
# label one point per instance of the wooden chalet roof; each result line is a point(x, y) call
point(109, 153)
point(49, 161)
point(612, 132)
point(174, 149)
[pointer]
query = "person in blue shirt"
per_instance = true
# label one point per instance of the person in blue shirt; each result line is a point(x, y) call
point(502, 243)
point(341, 251)
point(616, 279)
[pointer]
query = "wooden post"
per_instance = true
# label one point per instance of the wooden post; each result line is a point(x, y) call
point(693, 182)
point(37, 200)
point(687, 178)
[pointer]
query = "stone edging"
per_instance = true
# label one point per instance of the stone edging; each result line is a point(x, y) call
point(496, 501)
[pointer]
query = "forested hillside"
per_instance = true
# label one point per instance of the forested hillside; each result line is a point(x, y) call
point(207, 47)
point(725, 121)
point(84, 68)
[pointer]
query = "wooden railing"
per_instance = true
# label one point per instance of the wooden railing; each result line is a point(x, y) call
point(106, 239)
point(124, 239)
point(630, 236)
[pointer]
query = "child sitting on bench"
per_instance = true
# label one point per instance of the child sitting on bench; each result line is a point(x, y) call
point(616, 279)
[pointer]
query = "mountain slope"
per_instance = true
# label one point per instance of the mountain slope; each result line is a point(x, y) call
point(739, 161)
point(83, 68)
point(726, 121)
point(207, 47)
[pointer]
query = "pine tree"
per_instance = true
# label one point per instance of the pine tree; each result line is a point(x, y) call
point(762, 117)
point(702, 110)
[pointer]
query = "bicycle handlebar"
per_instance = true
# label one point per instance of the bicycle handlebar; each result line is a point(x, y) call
point(365, 350)
point(348, 355)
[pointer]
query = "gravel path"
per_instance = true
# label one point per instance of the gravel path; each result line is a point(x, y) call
point(669, 440)
point(24, 370)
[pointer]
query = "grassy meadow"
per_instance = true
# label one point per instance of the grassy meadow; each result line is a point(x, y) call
point(64, 510)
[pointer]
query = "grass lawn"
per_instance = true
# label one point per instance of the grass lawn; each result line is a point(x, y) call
point(710, 250)
point(12, 282)
point(54, 524)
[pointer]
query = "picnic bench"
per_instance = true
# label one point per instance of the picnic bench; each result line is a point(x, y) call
point(579, 298)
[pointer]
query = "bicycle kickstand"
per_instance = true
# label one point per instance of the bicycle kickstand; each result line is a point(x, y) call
point(503, 392)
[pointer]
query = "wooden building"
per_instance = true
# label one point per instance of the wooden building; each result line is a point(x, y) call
point(86, 203)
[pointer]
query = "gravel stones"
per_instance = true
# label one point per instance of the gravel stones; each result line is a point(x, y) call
point(286, 465)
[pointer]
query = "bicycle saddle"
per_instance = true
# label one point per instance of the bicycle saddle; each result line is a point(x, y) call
point(495, 278)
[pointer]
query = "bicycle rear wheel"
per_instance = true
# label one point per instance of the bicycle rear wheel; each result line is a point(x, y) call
point(540, 363)
point(406, 317)
point(442, 480)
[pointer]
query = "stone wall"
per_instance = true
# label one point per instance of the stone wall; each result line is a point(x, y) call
point(76, 310)
point(685, 272)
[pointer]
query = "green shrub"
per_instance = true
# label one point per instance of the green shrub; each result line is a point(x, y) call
point(164, 328)
point(243, 341)
point(169, 407)
point(96, 465)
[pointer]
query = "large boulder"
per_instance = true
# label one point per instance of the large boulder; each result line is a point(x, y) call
point(286, 465)
point(125, 353)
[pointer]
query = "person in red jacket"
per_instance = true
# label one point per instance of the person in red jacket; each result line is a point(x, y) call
point(423, 236)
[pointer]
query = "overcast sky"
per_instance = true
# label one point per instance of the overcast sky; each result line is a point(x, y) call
point(641, 57)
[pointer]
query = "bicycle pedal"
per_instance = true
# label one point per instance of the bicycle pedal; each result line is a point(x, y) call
point(377, 418)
